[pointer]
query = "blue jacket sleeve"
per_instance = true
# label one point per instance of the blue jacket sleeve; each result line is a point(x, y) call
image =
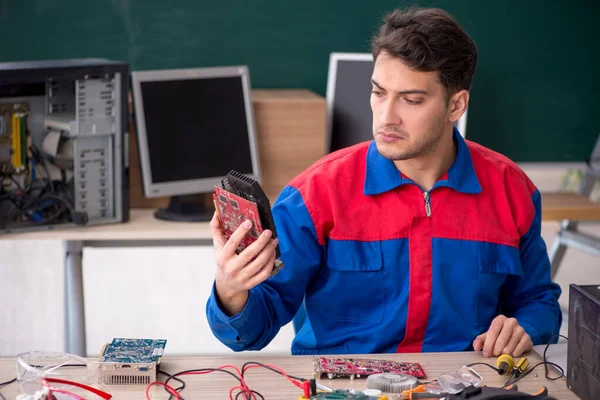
point(533, 298)
point(273, 303)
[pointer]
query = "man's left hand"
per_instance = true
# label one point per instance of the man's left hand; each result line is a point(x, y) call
point(505, 336)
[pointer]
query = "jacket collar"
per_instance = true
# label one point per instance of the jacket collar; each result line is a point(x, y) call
point(382, 175)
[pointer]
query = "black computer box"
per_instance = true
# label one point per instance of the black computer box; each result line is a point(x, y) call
point(63, 144)
point(583, 355)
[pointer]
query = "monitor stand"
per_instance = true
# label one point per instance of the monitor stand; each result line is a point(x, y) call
point(188, 208)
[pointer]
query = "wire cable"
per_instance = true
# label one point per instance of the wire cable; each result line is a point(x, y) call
point(486, 364)
point(253, 391)
point(178, 389)
point(271, 368)
point(167, 387)
point(2, 384)
point(248, 393)
point(546, 349)
point(39, 158)
point(293, 379)
point(558, 367)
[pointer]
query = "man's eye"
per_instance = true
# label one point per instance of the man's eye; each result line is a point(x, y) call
point(377, 93)
point(412, 102)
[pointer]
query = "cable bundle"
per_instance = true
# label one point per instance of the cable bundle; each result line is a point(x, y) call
point(243, 390)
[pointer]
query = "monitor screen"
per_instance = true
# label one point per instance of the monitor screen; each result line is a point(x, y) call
point(196, 128)
point(193, 127)
point(349, 115)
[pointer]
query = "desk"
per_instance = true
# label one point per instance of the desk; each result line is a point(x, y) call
point(141, 230)
point(272, 386)
point(557, 206)
point(570, 208)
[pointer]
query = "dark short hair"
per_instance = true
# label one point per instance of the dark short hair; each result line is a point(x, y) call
point(429, 39)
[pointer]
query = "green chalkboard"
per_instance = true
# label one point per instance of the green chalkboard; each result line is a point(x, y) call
point(535, 97)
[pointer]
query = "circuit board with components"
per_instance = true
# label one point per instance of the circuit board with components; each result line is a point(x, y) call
point(357, 367)
point(134, 350)
point(242, 198)
point(342, 394)
point(14, 139)
point(130, 361)
point(232, 211)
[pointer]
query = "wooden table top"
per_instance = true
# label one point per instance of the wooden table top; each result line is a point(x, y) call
point(217, 385)
point(557, 206)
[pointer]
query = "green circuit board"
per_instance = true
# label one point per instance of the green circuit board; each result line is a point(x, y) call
point(343, 395)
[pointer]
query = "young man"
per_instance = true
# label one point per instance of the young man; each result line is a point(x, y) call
point(416, 241)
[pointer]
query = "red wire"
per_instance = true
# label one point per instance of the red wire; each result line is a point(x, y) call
point(243, 387)
point(295, 382)
point(98, 392)
point(169, 389)
point(232, 389)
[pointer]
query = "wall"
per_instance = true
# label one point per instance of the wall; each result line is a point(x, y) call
point(534, 96)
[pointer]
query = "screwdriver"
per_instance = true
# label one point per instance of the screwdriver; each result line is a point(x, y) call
point(505, 364)
point(518, 370)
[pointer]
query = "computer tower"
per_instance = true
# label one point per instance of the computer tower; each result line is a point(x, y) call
point(63, 144)
point(583, 354)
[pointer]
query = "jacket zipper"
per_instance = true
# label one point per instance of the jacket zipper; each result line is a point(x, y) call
point(427, 204)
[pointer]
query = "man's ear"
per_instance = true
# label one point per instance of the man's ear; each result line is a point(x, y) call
point(457, 105)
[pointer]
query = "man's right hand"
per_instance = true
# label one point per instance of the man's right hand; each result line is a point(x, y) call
point(238, 273)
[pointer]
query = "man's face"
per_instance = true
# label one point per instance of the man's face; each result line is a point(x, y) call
point(409, 109)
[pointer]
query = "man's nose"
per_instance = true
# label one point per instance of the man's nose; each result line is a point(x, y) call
point(389, 113)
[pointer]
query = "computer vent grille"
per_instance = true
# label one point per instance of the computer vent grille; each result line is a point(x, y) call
point(125, 380)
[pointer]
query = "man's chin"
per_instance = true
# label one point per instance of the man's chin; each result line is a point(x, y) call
point(392, 152)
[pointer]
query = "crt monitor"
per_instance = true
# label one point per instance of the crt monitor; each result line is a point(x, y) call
point(193, 127)
point(349, 117)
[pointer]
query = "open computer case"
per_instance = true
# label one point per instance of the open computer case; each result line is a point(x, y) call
point(63, 144)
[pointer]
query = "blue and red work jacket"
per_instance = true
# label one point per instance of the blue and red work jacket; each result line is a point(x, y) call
point(382, 266)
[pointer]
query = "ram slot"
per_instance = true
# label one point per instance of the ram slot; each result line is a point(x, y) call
point(23, 131)
point(15, 141)
point(19, 142)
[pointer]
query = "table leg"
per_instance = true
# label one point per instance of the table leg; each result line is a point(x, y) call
point(74, 306)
